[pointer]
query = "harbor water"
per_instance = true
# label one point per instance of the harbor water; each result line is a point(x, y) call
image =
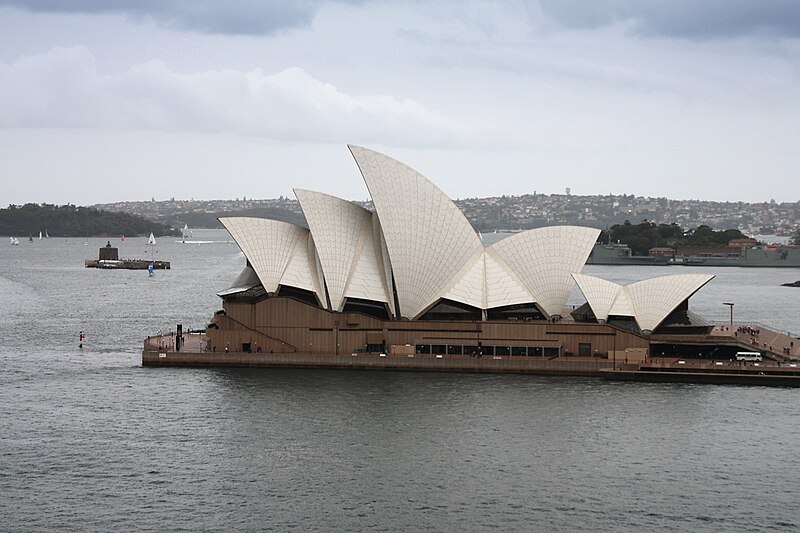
point(91, 440)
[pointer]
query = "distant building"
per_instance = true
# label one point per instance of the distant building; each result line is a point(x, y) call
point(743, 243)
point(660, 251)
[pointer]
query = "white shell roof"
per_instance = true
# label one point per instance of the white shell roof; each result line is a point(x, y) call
point(649, 301)
point(503, 287)
point(655, 298)
point(269, 245)
point(545, 258)
point(428, 238)
point(383, 260)
point(601, 295)
point(299, 273)
point(367, 280)
point(344, 240)
point(471, 285)
point(418, 237)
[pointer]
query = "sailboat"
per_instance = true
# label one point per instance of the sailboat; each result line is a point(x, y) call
point(46, 235)
point(152, 242)
point(14, 241)
point(186, 237)
point(40, 235)
point(30, 237)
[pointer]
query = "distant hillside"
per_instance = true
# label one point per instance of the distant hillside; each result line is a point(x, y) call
point(209, 220)
point(74, 221)
point(508, 212)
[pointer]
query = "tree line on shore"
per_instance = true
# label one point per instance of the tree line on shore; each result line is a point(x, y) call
point(74, 221)
point(645, 235)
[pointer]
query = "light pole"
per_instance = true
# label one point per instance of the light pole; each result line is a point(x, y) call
point(730, 304)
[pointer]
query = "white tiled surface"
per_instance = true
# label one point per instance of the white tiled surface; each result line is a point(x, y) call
point(268, 244)
point(649, 301)
point(655, 298)
point(419, 235)
point(428, 238)
point(544, 259)
point(343, 236)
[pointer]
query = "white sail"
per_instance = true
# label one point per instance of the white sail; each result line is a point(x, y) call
point(40, 235)
point(151, 240)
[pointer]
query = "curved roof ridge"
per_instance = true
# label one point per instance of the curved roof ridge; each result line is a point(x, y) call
point(299, 272)
point(545, 258)
point(338, 226)
point(599, 293)
point(653, 299)
point(428, 238)
point(268, 245)
point(503, 286)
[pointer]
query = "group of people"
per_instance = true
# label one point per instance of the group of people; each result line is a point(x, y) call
point(753, 332)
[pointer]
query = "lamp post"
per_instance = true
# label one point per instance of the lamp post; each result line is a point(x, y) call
point(730, 304)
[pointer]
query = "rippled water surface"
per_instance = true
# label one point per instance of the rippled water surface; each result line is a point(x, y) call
point(90, 440)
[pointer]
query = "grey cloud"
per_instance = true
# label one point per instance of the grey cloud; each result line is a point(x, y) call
point(696, 19)
point(234, 17)
point(62, 89)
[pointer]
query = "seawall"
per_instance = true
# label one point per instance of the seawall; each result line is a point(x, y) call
point(502, 365)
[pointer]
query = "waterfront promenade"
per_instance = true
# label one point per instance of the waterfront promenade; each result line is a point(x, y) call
point(760, 338)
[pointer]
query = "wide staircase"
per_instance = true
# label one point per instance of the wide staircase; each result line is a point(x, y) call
point(757, 337)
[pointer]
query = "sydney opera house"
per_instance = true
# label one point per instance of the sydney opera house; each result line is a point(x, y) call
point(413, 278)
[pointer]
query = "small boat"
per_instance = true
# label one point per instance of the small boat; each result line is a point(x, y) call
point(30, 237)
point(151, 242)
point(185, 233)
point(14, 241)
point(40, 235)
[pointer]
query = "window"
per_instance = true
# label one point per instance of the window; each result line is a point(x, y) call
point(519, 350)
point(438, 349)
point(584, 349)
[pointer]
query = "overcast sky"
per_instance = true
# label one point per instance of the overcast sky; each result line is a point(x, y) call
point(107, 100)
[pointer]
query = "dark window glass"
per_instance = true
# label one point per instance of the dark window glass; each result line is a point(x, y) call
point(454, 349)
point(423, 349)
point(584, 349)
point(535, 351)
point(519, 350)
point(439, 349)
point(501, 350)
point(551, 352)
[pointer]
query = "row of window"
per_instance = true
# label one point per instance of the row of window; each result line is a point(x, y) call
point(465, 349)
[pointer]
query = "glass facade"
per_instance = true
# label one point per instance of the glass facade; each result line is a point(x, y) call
point(488, 350)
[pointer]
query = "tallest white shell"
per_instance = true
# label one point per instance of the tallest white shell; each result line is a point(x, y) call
point(428, 238)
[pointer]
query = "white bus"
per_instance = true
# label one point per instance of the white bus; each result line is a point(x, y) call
point(748, 356)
